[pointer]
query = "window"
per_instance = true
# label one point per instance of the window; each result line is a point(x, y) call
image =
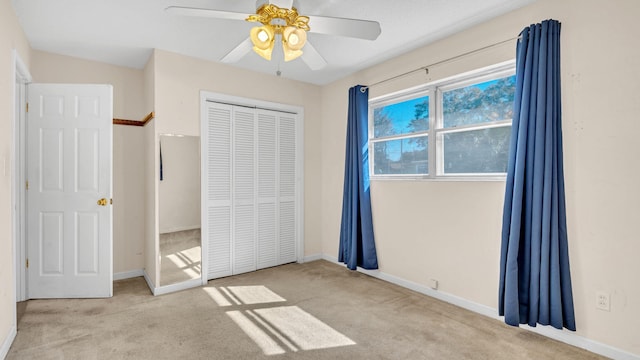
point(460, 127)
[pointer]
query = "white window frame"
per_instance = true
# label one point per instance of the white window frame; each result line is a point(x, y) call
point(435, 134)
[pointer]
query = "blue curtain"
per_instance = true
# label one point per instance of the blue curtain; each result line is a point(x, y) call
point(357, 245)
point(535, 282)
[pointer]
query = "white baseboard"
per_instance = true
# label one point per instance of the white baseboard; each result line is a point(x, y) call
point(582, 342)
point(6, 344)
point(180, 228)
point(564, 336)
point(166, 289)
point(161, 290)
point(310, 258)
point(150, 283)
point(128, 274)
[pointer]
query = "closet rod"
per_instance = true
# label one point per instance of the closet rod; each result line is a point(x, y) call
point(426, 67)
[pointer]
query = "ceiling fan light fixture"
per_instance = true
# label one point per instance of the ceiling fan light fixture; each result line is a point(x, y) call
point(293, 40)
point(291, 54)
point(262, 35)
point(263, 38)
point(287, 23)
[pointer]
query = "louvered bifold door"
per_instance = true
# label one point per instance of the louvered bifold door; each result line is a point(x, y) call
point(218, 197)
point(267, 224)
point(287, 188)
point(244, 197)
point(251, 176)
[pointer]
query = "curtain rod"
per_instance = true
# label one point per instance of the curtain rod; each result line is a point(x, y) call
point(426, 67)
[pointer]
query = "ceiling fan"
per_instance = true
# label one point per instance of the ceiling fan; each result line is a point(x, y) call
point(281, 18)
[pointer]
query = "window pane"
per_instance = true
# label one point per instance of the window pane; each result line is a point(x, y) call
point(477, 151)
point(479, 103)
point(403, 156)
point(401, 118)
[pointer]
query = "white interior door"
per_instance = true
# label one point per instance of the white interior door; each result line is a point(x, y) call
point(69, 214)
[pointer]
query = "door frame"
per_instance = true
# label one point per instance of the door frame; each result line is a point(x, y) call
point(22, 77)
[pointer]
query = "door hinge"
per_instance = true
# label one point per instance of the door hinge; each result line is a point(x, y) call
point(27, 185)
point(27, 263)
point(27, 107)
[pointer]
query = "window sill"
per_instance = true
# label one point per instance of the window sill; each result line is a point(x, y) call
point(453, 178)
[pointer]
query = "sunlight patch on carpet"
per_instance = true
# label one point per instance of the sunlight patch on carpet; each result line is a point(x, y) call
point(264, 341)
point(303, 329)
point(217, 296)
point(188, 261)
point(243, 295)
point(251, 295)
point(278, 329)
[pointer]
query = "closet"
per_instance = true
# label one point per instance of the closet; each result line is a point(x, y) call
point(251, 192)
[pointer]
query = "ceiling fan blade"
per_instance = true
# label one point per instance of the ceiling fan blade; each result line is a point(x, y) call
point(361, 29)
point(355, 28)
point(312, 57)
point(238, 52)
point(218, 14)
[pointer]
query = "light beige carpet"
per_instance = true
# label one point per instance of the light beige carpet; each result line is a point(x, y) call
point(316, 310)
point(180, 256)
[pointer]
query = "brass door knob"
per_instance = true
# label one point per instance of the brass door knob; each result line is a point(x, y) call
point(102, 202)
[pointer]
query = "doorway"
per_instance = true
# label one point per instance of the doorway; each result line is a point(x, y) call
point(90, 248)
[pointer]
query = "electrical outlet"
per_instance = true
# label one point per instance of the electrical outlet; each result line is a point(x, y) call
point(433, 284)
point(603, 301)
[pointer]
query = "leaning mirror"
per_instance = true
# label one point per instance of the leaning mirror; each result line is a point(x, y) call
point(179, 209)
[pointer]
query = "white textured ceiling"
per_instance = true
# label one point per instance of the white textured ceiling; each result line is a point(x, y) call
point(124, 32)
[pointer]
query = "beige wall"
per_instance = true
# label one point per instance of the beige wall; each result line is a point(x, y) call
point(128, 85)
point(450, 231)
point(11, 37)
point(128, 195)
point(178, 82)
point(128, 144)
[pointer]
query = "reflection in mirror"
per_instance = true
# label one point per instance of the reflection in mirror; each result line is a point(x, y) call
point(179, 209)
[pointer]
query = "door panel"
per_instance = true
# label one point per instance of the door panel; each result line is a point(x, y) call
point(69, 137)
point(287, 190)
point(267, 235)
point(51, 161)
point(217, 226)
point(50, 242)
point(87, 242)
point(244, 251)
point(87, 148)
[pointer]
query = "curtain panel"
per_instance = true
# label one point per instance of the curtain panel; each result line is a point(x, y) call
point(535, 281)
point(357, 243)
